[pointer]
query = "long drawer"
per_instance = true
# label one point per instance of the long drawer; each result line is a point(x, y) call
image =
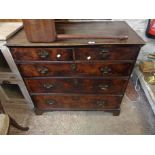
point(76, 69)
point(76, 85)
point(69, 54)
point(76, 102)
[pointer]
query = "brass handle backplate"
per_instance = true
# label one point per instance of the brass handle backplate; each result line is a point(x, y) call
point(105, 70)
point(103, 86)
point(43, 70)
point(48, 86)
point(43, 54)
point(50, 101)
point(101, 102)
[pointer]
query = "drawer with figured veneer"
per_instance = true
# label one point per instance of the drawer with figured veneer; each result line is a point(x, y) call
point(76, 85)
point(76, 69)
point(76, 102)
point(42, 54)
point(107, 53)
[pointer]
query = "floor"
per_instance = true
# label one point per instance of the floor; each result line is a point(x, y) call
point(136, 118)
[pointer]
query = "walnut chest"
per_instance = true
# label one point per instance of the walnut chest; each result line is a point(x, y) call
point(78, 74)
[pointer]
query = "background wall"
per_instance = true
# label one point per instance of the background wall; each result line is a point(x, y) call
point(139, 25)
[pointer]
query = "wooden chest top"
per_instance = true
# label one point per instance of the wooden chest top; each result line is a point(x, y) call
point(112, 28)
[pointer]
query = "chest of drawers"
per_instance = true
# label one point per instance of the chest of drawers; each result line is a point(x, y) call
point(78, 74)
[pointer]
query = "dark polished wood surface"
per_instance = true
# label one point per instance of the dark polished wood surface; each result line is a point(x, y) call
point(107, 53)
point(77, 85)
point(39, 30)
point(112, 28)
point(70, 102)
point(42, 54)
point(80, 69)
point(70, 54)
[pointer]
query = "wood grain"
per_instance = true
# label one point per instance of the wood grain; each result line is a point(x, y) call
point(112, 28)
point(76, 102)
point(76, 85)
point(42, 54)
point(40, 30)
point(83, 53)
point(107, 53)
point(82, 69)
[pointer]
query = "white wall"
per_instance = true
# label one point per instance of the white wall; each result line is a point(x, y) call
point(139, 25)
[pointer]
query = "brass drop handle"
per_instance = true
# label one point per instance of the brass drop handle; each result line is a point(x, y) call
point(101, 102)
point(105, 70)
point(103, 86)
point(104, 53)
point(50, 101)
point(58, 56)
point(48, 86)
point(43, 54)
point(43, 70)
point(73, 67)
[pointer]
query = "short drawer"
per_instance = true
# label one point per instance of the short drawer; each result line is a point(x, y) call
point(76, 102)
point(76, 69)
point(76, 85)
point(107, 53)
point(42, 54)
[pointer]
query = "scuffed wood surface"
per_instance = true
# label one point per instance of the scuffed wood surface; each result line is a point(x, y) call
point(108, 28)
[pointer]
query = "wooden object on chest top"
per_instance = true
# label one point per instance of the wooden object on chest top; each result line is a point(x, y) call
point(78, 74)
point(44, 30)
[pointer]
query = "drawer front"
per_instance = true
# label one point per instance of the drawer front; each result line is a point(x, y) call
point(76, 85)
point(76, 69)
point(76, 102)
point(110, 53)
point(42, 54)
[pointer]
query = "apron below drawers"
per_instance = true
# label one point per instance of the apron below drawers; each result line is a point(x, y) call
point(76, 69)
point(114, 86)
point(76, 102)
